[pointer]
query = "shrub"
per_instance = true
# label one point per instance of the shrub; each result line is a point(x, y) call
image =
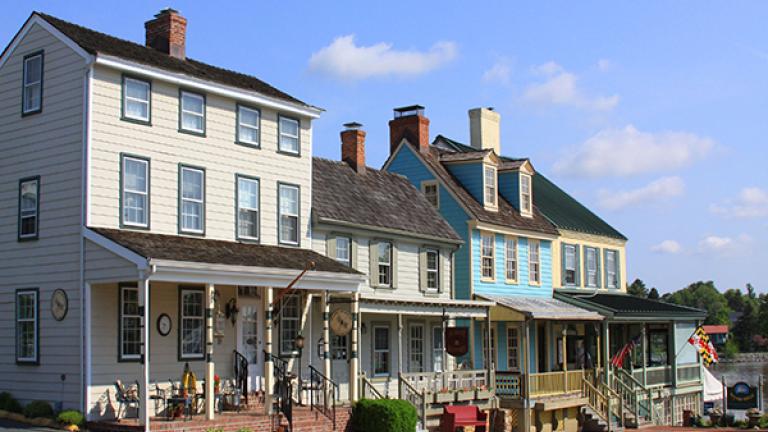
point(763, 423)
point(37, 409)
point(8, 403)
point(383, 415)
point(71, 417)
point(704, 423)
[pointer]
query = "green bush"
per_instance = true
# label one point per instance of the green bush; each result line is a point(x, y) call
point(8, 403)
point(763, 423)
point(383, 415)
point(71, 417)
point(37, 409)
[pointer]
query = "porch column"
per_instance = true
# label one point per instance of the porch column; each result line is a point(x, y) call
point(490, 359)
point(354, 360)
point(144, 383)
point(268, 365)
point(526, 378)
point(565, 356)
point(399, 345)
point(326, 336)
point(672, 350)
point(209, 396)
point(645, 355)
point(606, 352)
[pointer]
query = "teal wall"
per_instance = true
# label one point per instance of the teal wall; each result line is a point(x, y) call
point(509, 187)
point(470, 175)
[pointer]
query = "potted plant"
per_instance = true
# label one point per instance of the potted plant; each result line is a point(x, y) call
point(715, 415)
point(753, 415)
point(445, 395)
point(483, 392)
point(465, 394)
point(216, 384)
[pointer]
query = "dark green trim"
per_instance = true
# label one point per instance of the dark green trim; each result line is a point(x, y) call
point(297, 153)
point(298, 222)
point(237, 126)
point(205, 113)
point(616, 262)
point(120, 287)
point(37, 211)
point(179, 206)
point(40, 53)
point(598, 276)
point(123, 156)
point(237, 209)
point(123, 117)
point(180, 356)
point(295, 352)
point(373, 348)
point(577, 265)
point(36, 361)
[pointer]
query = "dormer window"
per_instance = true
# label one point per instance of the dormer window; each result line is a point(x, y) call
point(526, 200)
point(491, 190)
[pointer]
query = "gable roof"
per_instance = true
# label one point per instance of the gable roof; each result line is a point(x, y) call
point(95, 42)
point(374, 199)
point(621, 305)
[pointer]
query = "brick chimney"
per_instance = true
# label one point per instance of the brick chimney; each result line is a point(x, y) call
point(167, 33)
point(353, 146)
point(409, 123)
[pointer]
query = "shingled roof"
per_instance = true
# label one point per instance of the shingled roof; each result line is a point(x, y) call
point(96, 43)
point(619, 305)
point(374, 199)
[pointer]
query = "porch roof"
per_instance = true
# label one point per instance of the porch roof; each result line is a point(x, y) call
point(543, 308)
point(425, 306)
point(627, 307)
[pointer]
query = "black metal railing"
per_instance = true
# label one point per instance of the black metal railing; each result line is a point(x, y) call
point(323, 393)
point(283, 389)
point(240, 367)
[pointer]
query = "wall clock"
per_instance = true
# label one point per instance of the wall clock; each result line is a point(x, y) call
point(341, 322)
point(59, 304)
point(164, 324)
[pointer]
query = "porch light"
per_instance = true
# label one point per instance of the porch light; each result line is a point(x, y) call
point(299, 342)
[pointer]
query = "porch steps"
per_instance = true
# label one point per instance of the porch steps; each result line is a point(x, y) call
point(591, 422)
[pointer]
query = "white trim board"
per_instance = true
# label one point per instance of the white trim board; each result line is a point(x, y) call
point(37, 19)
point(125, 253)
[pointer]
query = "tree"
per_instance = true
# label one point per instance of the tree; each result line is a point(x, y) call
point(735, 299)
point(638, 289)
point(653, 294)
point(703, 295)
point(746, 327)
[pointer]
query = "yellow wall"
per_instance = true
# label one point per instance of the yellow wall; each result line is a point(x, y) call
point(589, 240)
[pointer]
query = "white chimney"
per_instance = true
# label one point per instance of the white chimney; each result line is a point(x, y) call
point(484, 129)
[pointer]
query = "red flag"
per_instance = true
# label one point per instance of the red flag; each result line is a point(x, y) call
point(618, 359)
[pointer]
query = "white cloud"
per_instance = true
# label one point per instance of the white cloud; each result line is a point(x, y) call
point(604, 65)
point(657, 190)
point(667, 247)
point(499, 73)
point(752, 202)
point(346, 60)
point(560, 88)
point(715, 243)
point(628, 151)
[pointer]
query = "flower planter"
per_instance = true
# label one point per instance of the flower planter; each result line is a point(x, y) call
point(443, 397)
point(464, 395)
point(483, 394)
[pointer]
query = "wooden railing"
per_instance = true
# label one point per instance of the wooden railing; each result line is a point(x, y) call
point(509, 384)
point(554, 383)
point(688, 373)
point(367, 389)
point(417, 398)
point(637, 397)
point(605, 403)
point(435, 382)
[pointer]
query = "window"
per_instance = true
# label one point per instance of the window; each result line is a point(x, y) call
point(384, 260)
point(192, 200)
point(289, 214)
point(526, 204)
point(32, 92)
point(130, 323)
point(288, 136)
point(135, 191)
point(570, 264)
point(511, 257)
point(248, 125)
point(490, 186)
point(534, 260)
point(290, 318)
point(192, 115)
point(487, 256)
point(381, 354)
point(437, 349)
point(27, 327)
point(338, 347)
point(192, 324)
point(433, 269)
point(484, 336)
point(136, 100)
point(513, 353)
point(431, 192)
point(658, 347)
point(592, 266)
point(611, 269)
point(343, 250)
point(416, 348)
point(247, 208)
point(29, 208)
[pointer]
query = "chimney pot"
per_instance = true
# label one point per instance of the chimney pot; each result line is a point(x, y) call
point(353, 146)
point(409, 122)
point(167, 33)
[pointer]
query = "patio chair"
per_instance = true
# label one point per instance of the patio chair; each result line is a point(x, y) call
point(126, 399)
point(159, 398)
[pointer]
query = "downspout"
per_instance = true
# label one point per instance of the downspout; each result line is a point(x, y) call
point(84, 174)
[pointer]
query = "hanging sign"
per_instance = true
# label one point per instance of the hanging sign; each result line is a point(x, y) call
point(742, 396)
point(457, 341)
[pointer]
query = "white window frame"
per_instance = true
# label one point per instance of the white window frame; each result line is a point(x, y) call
point(534, 265)
point(416, 354)
point(197, 201)
point(29, 213)
point(123, 327)
point(575, 269)
point(34, 320)
point(27, 85)
point(125, 191)
point(490, 190)
point(247, 208)
point(185, 112)
point(384, 350)
point(184, 318)
point(484, 257)
point(489, 355)
point(438, 348)
point(290, 215)
point(433, 199)
point(348, 260)
point(591, 267)
point(282, 133)
point(126, 99)
point(611, 272)
point(513, 349)
point(434, 271)
point(256, 128)
point(511, 260)
point(526, 195)
point(288, 333)
point(385, 266)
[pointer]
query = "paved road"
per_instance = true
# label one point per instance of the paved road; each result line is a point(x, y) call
point(10, 426)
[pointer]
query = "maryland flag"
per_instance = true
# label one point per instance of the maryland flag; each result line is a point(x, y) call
point(700, 341)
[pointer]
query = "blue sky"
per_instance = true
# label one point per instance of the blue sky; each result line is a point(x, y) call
point(653, 114)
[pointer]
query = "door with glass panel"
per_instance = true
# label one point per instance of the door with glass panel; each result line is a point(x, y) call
point(249, 340)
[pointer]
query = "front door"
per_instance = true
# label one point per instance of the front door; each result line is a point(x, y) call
point(250, 340)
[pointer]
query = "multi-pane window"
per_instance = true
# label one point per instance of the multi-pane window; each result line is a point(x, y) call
point(511, 258)
point(570, 264)
point(290, 318)
point(289, 214)
point(416, 348)
point(343, 250)
point(658, 347)
point(192, 116)
point(192, 200)
point(490, 186)
point(192, 324)
point(534, 261)
point(437, 349)
point(513, 353)
point(433, 269)
point(384, 260)
point(26, 326)
point(611, 269)
point(29, 207)
point(135, 193)
point(487, 256)
point(526, 204)
point(248, 123)
point(489, 355)
point(289, 135)
point(130, 324)
point(381, 354)
point(247, 208)
point(590, 261)
point(339, 347)
point(430, 190)
point(136, 99)
point(32, 91)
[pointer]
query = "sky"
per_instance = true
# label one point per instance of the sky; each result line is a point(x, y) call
point(653, 114)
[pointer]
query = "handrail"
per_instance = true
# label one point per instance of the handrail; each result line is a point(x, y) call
point(601, 401)
point(320, 386)
point(283, 387)
point(418, 400)
point(240, 367)
point(366, 383)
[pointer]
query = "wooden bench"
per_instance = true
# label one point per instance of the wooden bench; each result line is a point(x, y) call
point(462, 416)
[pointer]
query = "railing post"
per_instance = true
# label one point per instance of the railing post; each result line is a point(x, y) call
point(424, 409)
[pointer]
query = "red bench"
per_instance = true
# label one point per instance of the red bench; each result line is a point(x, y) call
point(456, 416)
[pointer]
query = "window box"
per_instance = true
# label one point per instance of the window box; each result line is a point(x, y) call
point(465, 395)
point(483, 393)
point(444, 396)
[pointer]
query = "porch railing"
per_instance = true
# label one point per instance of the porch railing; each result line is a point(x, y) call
point(417, 398)
point(323, 393)
point(367, 389)
point(634, 394)
point(603, 401)
point(453, 380)
point(283, 387)
point(240, 368)
point(509, 384)
point(688, 373)
point(554, 383)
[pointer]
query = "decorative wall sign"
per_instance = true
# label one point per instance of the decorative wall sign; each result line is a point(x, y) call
point(341, 322)
point(59, 304)
point(164, 324)
point(457, 341)
point(742, 396)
